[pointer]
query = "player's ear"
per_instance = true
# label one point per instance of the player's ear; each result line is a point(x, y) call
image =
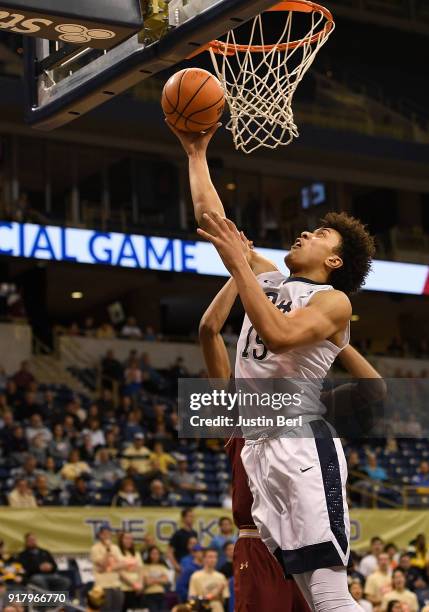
point(333, 262)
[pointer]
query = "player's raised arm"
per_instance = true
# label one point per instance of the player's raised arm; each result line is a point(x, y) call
point(204, 194)
point(215, 353)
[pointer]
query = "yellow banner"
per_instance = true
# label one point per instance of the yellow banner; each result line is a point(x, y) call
point(72, 530)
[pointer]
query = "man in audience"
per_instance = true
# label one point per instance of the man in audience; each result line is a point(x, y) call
point(209, 583)
point(106, 469)
point(80, 496)
point(40, 567)
point(226, 534)
point(44, 496)
point(369, 563)
point(106, 558)
point(23, 377)
point(131, 329)
point(380, 581)
point(21, 495)
point(29, 470)
point(178, 546)
point(74, 467)
point(185, 482)
point(158, 495)
point(196, 563)
point(399, 592)
point(421, 479)
point(37, 428)
point(137, 456)
point(111, 369)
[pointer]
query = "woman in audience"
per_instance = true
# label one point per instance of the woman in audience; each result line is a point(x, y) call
point(53, 477)
point(131, 576)
point(127, 496)
point(59, 447)
point(156, 580)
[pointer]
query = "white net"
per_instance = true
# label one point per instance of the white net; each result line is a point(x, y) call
point(260, 78)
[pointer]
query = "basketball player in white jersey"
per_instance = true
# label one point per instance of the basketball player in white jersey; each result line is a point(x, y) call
point(297, 478)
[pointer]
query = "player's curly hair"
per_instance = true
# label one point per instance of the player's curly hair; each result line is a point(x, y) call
point(357, 249)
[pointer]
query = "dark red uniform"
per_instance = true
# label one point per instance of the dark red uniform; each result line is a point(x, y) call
point(259, 582)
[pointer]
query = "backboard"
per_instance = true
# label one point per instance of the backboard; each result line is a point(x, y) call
point(66, 79)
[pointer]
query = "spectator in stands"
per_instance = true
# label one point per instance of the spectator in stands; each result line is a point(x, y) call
point(95, 432)
point(132, 427)
point(4, 407)
point(158, 496)
point(44, 496)
point(369, 563)
point(74, 467)
point(86, 447)
point(413, 575)
point(40, 567)
point(400, 593)
point(131, 575)
point(397, 424)
point(105, 468)
point(379, 582)
point(188, 559)
point(356, 591)
point(209, 583)
point(111, 370)
point(133, 378)
point(53, 477)
point(7, 430)
point(226, 534)
point(23, 377)
point(29, 406)
point(226, 567)
point(178, 545)
point(192, 565)
point(11, 572)
point(374, 471)
point(391, 446)
point(107, 560)
point(162, 460)
point(156, 580)
point(59, 447)
point(185, 482)
point(131, 329)
point(12, 394)
point(95, 599)
point(80, 495)
point(112, 444)
point(16, 444)
point(21, 495)
point(419, 552)
point(105, 332)
point(392, 550)
point(73, 329)
point(29, 470)
point(127, 496)
point(137, 456)
point(413, 427)
point(36, 427)
point(178, 369)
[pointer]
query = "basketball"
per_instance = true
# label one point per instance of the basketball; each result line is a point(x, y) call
point(193, 100)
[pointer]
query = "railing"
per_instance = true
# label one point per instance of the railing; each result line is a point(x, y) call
point(368, 490)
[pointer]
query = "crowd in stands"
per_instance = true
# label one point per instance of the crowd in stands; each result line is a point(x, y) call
point(131, 574)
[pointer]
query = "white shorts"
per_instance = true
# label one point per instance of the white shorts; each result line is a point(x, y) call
point(299, 497)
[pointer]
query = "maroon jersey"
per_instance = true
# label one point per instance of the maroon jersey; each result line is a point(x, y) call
point(259, 582)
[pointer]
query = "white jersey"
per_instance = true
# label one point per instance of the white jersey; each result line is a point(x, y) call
point(307, 363)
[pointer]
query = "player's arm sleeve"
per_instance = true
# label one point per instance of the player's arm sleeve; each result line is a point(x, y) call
point(204, 195)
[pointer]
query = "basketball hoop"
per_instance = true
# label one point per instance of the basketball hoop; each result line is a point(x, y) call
point(260, 77)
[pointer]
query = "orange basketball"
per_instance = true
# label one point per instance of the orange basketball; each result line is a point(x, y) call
point(193, 100)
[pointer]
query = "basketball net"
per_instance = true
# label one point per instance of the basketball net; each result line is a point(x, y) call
point(260, 78)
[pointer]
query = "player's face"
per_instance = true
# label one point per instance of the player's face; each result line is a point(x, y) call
point(311, 249)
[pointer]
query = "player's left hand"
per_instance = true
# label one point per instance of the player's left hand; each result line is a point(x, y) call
point(224, 235)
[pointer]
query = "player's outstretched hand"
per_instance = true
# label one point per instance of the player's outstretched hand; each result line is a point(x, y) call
point(224, 235)
point(194, 142)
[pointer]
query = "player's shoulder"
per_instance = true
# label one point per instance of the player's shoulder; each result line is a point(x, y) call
point(333, 298)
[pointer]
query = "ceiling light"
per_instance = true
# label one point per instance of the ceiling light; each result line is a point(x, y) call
point(77, 295)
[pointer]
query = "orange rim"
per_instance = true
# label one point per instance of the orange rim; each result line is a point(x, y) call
point(297, 6)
